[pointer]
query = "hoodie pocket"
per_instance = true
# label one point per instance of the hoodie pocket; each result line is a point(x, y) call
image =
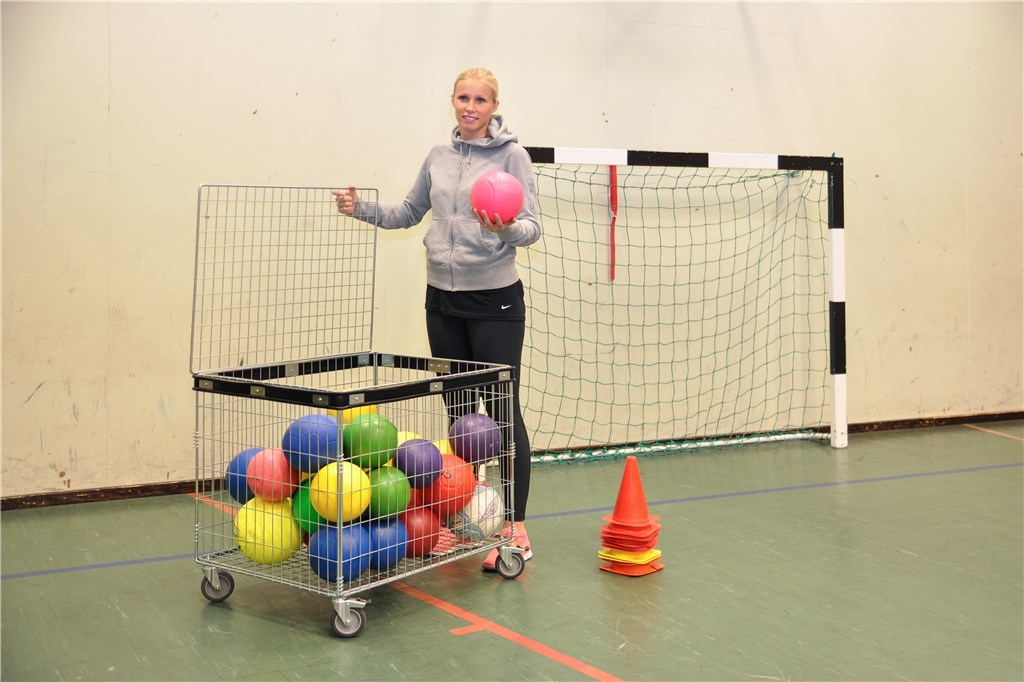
point(461, 244)
point(476, 246)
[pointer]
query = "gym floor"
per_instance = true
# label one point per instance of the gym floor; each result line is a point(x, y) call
point(899, 558)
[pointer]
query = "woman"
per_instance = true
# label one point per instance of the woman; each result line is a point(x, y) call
point(475, 306)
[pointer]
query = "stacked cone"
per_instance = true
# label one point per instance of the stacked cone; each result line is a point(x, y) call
point(629, 539)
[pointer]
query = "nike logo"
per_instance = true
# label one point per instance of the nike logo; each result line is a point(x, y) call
point(506, 307)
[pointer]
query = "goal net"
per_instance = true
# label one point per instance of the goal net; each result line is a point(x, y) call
point(681, 301)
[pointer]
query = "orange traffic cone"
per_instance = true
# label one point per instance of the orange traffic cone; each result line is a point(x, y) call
point(631, 504)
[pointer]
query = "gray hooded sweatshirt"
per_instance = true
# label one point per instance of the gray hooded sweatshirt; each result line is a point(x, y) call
point(461, 255)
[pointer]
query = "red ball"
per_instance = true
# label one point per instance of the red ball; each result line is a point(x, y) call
point(418, 497)
point(497, 192)
point(423, 527)
point(454, 488)
point(270, 476)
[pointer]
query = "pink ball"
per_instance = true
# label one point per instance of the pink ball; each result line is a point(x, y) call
point(270, 476)
point(497, 192)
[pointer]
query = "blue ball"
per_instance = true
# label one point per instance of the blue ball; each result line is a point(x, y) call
point(388, 539)
point(354, 544)
point(235, 477)
point(311, 442)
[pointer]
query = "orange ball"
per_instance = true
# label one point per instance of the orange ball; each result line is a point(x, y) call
point(453, 489)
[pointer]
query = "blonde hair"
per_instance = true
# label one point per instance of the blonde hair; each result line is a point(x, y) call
point(481, 74)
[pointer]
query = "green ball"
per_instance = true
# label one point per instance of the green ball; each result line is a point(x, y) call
point(304, 511)
point(369, 441)
point(389, 492)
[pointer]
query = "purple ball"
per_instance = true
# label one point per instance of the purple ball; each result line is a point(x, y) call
point(420, 461)
point(475, 437)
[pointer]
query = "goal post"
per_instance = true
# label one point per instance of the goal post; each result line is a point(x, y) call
point(684, 300)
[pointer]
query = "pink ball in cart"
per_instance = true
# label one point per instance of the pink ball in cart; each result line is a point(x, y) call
point(475, 437)
point(497, 193)
point(270, 476)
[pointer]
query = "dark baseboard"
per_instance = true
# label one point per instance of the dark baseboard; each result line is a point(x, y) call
point(96, 495)
point(185, 487)
point(935, 421)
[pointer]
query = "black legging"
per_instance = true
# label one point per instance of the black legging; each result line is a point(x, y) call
point(498, 342)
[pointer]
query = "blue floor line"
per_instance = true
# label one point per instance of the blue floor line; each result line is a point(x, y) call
point(595, 510)
point(96, 567)
point(791, 488)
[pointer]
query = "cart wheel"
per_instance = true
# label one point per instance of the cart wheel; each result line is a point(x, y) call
point(355, 626)
point(227, 586)
point(512, 569)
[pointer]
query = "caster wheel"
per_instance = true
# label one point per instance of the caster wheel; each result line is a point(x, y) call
point(513, 569)
point(357, 621)
point(227, 586)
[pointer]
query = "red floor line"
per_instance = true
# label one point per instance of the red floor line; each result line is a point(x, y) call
point(995, 433)
point(227, 509)
point(478, 623)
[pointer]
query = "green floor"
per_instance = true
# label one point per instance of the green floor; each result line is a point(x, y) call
point(899, 558)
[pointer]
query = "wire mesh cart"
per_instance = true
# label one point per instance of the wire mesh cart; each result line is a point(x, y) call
point(322, 464)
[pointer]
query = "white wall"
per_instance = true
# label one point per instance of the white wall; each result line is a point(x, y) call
point(113, 113)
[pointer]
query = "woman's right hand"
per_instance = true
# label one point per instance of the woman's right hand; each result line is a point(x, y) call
point(347, 199)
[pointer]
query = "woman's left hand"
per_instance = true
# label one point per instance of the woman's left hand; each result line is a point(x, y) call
point(487, 224)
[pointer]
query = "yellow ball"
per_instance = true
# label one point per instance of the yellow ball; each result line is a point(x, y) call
point(444, 446)
point(348, 414)
point(355, 491)
point(407, 435)
point(266, 532)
